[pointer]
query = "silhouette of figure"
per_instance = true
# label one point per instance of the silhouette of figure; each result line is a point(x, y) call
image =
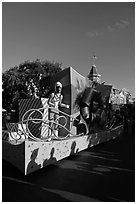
point(73, 146)
point(32, 164)
point(51, 160)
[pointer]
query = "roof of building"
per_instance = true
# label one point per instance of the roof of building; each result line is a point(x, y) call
point(94, 72)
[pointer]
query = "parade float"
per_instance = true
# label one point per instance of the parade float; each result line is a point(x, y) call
point(32, 142)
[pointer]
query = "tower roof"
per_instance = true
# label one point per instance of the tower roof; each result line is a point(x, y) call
point(93, 72)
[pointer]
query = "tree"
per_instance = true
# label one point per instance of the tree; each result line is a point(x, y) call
point(16, 80)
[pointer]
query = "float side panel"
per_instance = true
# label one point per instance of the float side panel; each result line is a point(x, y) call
point(41, 154)
point(15, 154)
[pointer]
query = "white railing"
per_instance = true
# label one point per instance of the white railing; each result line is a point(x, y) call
point(19, 132)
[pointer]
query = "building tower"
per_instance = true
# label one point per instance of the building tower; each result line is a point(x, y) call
point(93, 76)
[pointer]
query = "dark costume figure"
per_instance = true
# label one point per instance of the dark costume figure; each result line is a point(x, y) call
point(93, 110)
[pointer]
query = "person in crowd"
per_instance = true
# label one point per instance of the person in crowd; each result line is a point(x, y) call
point(118, 117)
point(97, 118)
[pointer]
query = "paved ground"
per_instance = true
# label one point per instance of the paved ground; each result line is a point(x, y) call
point(102, 173)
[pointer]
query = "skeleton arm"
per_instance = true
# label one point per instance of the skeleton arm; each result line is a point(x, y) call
point(62, 104)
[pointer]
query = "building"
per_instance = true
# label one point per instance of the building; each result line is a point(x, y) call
point(117, 96)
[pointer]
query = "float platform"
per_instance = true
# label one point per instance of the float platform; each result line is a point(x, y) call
point(30, 156)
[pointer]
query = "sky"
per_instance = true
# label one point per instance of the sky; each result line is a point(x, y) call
point(71, 33)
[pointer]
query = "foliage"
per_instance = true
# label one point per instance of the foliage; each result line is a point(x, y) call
point(16, 80)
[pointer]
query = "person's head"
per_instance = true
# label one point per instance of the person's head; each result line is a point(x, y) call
point(58, 87)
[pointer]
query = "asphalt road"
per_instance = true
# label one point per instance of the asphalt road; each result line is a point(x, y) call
point(104, 173)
